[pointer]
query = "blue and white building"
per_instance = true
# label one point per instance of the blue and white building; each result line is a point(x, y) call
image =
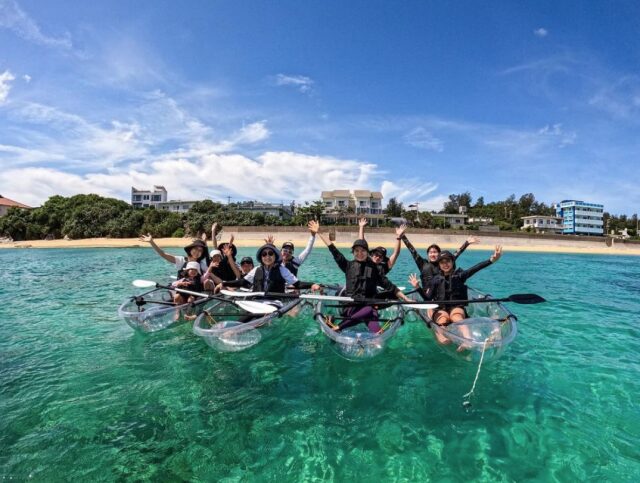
point(580, 217)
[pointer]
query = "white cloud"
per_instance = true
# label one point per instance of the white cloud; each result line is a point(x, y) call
point(5, 85)
point(26, 78)
point(541, 32)
point(556, 131)
point(302, 83)
point(421, 138)
point(15, 19)
point(410, 191)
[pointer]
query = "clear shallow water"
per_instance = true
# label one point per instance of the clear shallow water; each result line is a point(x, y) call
point(84, 397)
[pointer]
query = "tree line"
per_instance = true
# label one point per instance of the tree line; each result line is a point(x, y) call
point(94, 216)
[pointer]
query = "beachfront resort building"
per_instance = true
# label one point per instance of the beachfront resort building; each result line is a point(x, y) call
point(6, 204)
point(147, 198)
point(580, 217)
point(348, 206)
point(542, 224)
point(175, 206)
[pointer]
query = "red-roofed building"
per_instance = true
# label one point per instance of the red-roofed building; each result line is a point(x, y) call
point(6, 203)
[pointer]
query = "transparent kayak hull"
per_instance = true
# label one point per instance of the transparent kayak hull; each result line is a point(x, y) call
point(220, 326)
point(153, 311)
point(357, 343)
point(490, 328)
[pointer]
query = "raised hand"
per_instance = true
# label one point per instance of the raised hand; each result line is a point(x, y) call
point(472, 239)
point(400, 230)
point(413, 280)
point(363, 222)
point(146, 238)
point(313, 226)
point(496, 254)
point(270, 239)
point(231, 238)
point(227, 251)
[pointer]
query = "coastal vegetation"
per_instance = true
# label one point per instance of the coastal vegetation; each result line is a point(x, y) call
point(94, 216)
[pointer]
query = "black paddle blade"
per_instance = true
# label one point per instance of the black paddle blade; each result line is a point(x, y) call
point(526, 298)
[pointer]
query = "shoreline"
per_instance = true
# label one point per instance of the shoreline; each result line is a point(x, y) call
point(345, 239)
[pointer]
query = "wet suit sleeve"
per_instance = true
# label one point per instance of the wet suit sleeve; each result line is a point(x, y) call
point(387, 285)
point(241, 282)
point(475, 269)
point(339, 258)
point(464, 246)
point(414, 253)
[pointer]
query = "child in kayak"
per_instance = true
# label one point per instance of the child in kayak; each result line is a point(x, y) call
point(450, 284)
point(362, 281)
point(190, 281)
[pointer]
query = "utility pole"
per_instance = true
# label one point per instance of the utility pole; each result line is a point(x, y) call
point(228, 199)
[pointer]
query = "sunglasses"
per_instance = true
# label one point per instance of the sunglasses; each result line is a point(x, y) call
point(267, 253)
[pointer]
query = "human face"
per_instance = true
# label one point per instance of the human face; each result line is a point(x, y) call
point(287, 254)
point(192, 273)
point(376, 257)
point(446, 265)
point(268, 256)
point(433, 254)
point(246, 267)
point(196, 252)
point(360, 254)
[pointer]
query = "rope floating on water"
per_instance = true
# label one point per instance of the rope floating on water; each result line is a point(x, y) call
point(467, 397)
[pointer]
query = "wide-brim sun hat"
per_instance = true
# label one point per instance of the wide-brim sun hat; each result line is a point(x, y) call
point(192, 266)
point(270, 247)
point(197, 243)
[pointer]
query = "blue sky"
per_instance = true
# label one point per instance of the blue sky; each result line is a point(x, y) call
point(281, 100)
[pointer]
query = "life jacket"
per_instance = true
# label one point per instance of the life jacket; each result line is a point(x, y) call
point(224, 270)
point(276, 282)
point(449, 287)
point(292, 266)
point(362, 279)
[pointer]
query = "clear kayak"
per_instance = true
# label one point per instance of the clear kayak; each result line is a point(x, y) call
point(155, 310)
point(489, 328)
point(357, 342)
point(227, 327)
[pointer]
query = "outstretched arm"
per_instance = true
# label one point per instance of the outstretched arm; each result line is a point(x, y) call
point(396, 251)
point(495, 256)
point(214, 234)
point(470, 241)
point(414, 253)
point(313, 226)
point(337, 256)
point(362, 222)
point(149, 239)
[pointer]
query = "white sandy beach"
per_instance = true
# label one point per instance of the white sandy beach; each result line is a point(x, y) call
point(345, 238)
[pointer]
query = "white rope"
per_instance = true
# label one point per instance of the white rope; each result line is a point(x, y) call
point(467, 397)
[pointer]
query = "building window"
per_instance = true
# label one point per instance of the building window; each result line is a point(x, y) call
point(156, 198)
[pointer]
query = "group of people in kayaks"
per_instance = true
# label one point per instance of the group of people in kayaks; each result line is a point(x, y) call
point(438, 278)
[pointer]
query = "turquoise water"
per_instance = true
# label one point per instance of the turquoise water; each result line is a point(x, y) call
point(84, 397)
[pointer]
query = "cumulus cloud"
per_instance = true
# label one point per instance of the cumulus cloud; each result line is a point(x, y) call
point(302, 83)
point(423, 139)
point(272, 176)
point(5, 85)
point(12, 17)
point(410, 191)
point(540, 32)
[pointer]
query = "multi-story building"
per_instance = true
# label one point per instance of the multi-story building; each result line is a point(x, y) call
point(6, 204)
point(146, 198)
point(580, 218)
point(346, 206)
point(542, 224)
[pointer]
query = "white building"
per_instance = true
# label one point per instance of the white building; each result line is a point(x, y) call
point(146, 198)
point(580, 218)
point(6, 204)
point(175, 206)
point(277, 210)
point(349, 206)
point(542, 224)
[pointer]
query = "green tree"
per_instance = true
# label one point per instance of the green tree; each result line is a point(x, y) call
point(394, 208)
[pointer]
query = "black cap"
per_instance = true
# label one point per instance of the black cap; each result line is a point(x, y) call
point(246, 260)
point(288, 245)
point(360, 243)
point(446, 254)
point(381, 250)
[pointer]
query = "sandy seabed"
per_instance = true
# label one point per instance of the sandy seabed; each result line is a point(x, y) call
point(345, 239)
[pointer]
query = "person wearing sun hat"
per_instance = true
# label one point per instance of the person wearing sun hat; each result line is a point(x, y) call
point(190, 281)
point(270, 275)
point(362, 278)
point(196, 251)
